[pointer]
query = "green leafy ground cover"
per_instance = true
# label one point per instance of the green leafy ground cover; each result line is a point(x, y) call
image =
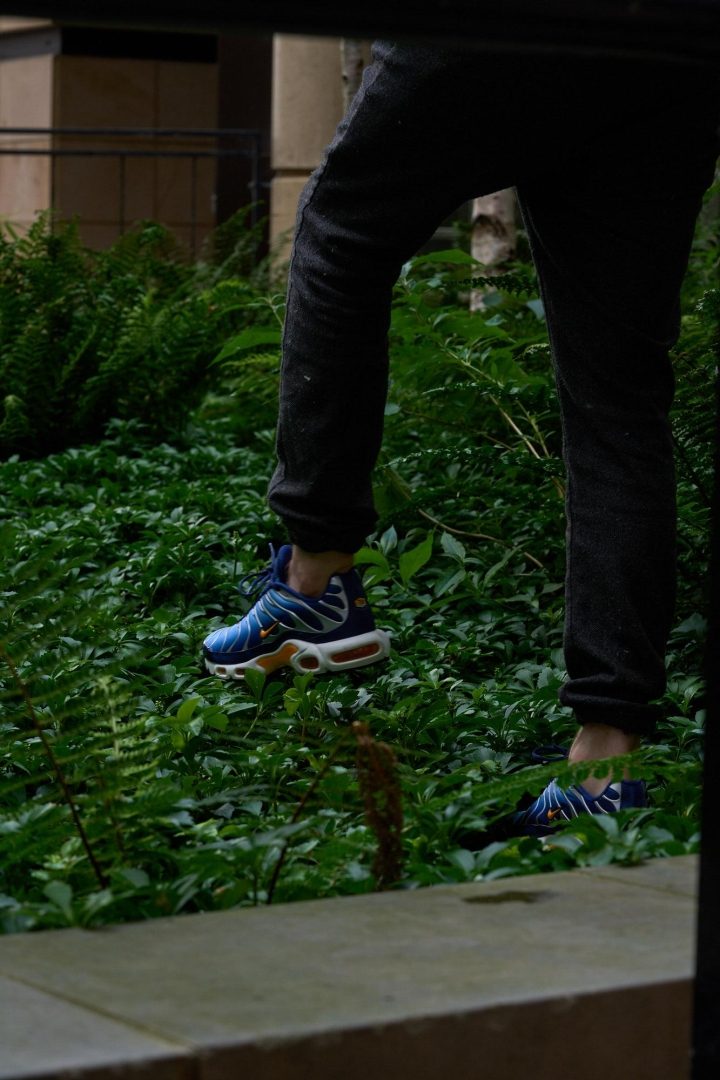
point(131, 786)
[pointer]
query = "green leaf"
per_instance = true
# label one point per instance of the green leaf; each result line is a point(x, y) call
point(411, 561)
point(379, 566)
point(448, 255)
point(537, 308)
point(292, 699)
point(255, 682)
point(462, 858)
point(448, 583)
point(452, 547)
point(388, 540)
point(248, 339)
point(186, 710)
point(498, 566)
point(472, 327)
point(60, 894)
point(371, 556)
point(135, 876)
point(214, 718)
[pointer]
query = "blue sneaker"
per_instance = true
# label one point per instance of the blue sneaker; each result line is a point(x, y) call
point(332, 632)
point(563, 804)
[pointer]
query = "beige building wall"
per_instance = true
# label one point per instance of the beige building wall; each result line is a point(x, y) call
point(307, 106)
point(104, 92)
point(53, 90)
point(25, 101)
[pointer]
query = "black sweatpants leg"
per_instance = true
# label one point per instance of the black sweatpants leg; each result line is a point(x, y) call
point(402, 160)
point(610, 238)
point(610, 160)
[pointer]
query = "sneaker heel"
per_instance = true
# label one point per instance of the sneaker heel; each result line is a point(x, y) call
point(359, 653)
point(356, 652)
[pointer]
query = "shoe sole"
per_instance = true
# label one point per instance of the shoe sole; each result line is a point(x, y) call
point(303, 656)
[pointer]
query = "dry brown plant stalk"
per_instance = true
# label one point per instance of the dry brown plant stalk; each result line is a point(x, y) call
point(380, 789)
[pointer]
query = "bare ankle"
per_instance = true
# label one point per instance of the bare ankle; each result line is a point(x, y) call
point(594, 742)
point(310, 571)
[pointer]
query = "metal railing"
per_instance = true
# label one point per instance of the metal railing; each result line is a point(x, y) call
point(223, 144)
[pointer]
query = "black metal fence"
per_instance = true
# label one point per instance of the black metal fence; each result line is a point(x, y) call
point(220, 144)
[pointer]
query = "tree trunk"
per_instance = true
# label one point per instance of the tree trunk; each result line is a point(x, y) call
point(494, 236)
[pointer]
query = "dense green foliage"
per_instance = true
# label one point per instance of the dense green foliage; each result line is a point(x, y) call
point(190, 793)
point(89, 336)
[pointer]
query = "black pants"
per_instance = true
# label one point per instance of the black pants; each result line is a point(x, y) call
point(610, 159)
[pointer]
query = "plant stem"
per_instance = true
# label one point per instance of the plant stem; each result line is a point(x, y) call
point(55, 766)
point(299, 809)
point(477, 536)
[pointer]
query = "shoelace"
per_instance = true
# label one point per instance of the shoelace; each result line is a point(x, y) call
point(260, 582)
point(545, 755)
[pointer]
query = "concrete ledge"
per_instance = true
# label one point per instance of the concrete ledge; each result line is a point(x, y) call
point(506, 979)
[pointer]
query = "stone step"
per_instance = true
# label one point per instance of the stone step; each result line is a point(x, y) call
point(588, 972)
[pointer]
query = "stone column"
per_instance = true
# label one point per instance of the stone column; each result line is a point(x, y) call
point(307, 106)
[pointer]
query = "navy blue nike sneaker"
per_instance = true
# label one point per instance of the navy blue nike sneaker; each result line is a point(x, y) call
point(558, 804)
point(332, 632)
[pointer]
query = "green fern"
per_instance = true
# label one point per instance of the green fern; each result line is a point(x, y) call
point(129, 333)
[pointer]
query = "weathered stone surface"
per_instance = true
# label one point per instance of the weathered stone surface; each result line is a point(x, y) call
point(468, 981)
point(678, 875)
point(46, 1036)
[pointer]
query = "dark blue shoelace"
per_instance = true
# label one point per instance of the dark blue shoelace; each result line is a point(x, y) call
point(544, 755)
point(260, 582)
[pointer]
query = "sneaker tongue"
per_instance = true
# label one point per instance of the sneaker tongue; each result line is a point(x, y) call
point(611, 790)
point(280, 563)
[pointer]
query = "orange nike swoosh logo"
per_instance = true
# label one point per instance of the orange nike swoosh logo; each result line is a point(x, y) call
point(552, 813)
point(264, 633)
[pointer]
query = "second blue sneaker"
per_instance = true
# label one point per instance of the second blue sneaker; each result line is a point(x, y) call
point(558, 804)
point(333, 632)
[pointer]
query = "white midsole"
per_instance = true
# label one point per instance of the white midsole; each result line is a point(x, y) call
point(311, 656)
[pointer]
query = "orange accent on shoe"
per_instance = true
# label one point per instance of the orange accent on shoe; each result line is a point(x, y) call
point(360, 601)
point(264, 633)
point(310, 663)
point(278, 659)
point(356, 654)
point(553, 813)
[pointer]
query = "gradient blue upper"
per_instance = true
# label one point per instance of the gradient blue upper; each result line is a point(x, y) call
point(557, 804)
point(281, 614)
